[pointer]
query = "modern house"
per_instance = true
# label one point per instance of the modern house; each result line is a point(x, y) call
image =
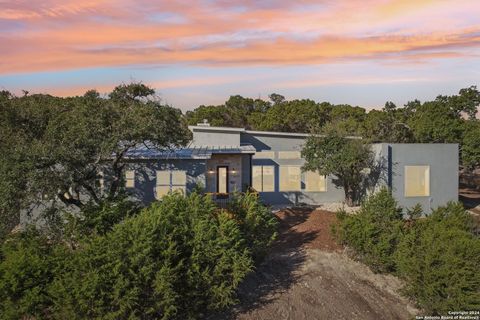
point(223, 160)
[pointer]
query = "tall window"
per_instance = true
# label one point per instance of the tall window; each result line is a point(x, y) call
point(290, 178)
point(315, 182)
point(170, 181)
point(263, 178)
point(129, 179)
point(417, 181)
point(289, 155)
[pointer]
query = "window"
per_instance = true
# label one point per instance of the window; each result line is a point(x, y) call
point(289, 155)
point(264, 155)
point(315, 182)
point(129, 179)
point(417, 181)
point(170, 181)
point(290, 178)
point(263, 178)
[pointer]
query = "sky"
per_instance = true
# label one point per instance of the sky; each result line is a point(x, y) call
point(200, 52)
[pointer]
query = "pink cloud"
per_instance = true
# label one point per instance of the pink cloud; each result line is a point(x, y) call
point(59, 35)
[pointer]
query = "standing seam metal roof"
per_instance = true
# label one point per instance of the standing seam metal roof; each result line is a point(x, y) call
point(193, 152)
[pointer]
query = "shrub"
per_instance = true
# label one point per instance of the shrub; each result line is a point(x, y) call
point(257, 223)
point(374, 231)
point(176, 259)
point(440, 257)
point(100, 218)
point(28, 263)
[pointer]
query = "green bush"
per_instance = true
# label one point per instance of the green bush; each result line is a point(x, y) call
point(101, 218)
point(27, 266)
point(438, 254)
point(257, 223)
point(440, 257)
point(176, 259)
point(374, 231)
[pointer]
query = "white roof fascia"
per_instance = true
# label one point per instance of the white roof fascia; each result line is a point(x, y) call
point(205, 128)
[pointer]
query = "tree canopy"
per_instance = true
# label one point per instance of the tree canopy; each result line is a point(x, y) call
point(59, 148)
point(446, 119)
point(345, 157)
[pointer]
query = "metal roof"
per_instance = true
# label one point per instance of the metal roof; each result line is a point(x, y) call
point(193, 152)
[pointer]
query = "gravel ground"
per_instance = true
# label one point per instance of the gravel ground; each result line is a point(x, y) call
point(309, 276)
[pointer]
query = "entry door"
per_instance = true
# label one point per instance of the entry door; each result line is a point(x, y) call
point(222, 179)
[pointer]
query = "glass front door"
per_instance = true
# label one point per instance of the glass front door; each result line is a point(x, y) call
point(222, 179)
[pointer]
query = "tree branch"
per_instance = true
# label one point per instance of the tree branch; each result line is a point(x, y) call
point(70, 200)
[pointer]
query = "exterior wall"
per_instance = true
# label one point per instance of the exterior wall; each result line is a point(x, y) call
point(266, 142)
point(246, 170)
point(204, 137)
point(146, 175)
point(238, 179)
point(391, 159)
point(443, 162)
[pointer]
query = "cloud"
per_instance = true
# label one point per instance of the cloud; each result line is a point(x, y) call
point(63, 35)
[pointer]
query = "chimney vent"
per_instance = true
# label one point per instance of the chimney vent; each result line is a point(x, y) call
point(204, 123)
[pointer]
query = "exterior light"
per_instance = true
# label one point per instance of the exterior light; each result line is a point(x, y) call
point(233, 170)
point(211, 171)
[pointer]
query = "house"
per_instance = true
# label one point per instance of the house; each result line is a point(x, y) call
point(222, 160)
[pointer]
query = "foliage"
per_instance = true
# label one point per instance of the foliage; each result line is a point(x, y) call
point(471, 145)
point(177, 259)
point(374, 231)
point(101, 218)
point(435, 122)
point(27, 265)
point(344, 157)
point(257, 223)
point(279, 114)
point(59, 148)
point(439, 256)
point(236, 112)
point(387, 125)
point(291, 116)
point(174, 260)
point(441, 120)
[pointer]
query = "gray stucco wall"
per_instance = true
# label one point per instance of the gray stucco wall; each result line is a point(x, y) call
point(266, 142)
point(146, 171)
point(391, 162)
point(246, 170)
point(443, 162)
point(204, 137)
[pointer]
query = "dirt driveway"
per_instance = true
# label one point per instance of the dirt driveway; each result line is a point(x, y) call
point(308, 276)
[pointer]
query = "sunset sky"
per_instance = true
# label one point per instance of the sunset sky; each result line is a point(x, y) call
point(200, 52)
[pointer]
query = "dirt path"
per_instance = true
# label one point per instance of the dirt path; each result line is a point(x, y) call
point(307, 276)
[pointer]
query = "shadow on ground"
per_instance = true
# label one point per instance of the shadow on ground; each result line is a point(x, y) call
point(277, 272)
point(470, 198)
